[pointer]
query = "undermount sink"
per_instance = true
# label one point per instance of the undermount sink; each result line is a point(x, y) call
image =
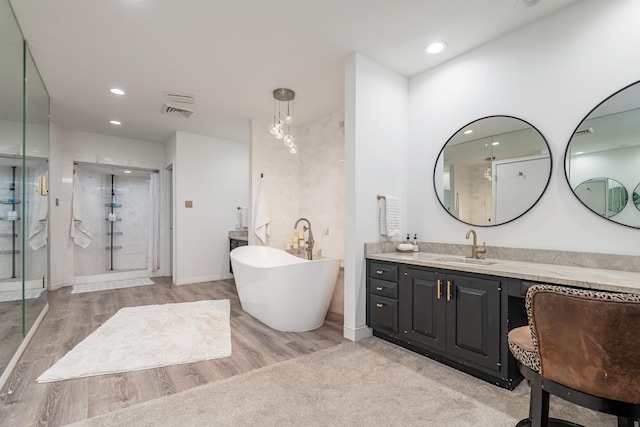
point(466, 261)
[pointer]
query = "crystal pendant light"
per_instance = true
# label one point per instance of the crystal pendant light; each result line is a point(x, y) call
point(288, 139)
point(281, 96)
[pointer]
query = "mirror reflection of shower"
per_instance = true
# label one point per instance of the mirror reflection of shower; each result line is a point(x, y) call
point(118, 207)
point(16, 200)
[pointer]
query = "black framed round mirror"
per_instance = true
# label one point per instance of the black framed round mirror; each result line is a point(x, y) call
point(492, 170)
point(604, 151)
point(636, 197)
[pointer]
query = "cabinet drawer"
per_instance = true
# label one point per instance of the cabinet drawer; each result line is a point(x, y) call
point(383, 271)
point(383, 313)
point(383, 288)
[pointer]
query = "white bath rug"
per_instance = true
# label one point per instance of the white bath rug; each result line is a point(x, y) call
point(114, 284)
point(17, 295)
point(150, 336)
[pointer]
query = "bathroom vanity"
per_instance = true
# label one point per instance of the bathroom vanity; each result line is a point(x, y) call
point(237, 238)
point(458, 310)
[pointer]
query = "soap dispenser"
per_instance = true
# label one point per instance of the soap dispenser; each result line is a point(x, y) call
point(416, 248)
point(408, 239)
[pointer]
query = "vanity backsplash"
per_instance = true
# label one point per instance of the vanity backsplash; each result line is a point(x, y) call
point(542, 256)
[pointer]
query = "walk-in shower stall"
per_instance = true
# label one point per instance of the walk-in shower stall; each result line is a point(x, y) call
point(117, 208)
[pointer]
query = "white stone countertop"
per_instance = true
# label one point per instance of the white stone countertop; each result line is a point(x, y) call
point(582, 277)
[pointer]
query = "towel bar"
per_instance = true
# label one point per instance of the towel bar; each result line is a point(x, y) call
point(381, 197)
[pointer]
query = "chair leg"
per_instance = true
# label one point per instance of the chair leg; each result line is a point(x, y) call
point(539, 404)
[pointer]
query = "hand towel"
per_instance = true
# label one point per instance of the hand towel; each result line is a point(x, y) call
point(390, 216)
point(261, 219)
point(38, 231)
point(79, 231)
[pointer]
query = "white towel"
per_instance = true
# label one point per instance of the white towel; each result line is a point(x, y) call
point(261, 219)
point(389, 215)
point(79, 231)
point(38, 230)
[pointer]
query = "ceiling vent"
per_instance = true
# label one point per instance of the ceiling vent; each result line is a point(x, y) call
point(178, 103)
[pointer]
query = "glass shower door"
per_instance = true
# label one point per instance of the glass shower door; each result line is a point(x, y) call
point(35, 193)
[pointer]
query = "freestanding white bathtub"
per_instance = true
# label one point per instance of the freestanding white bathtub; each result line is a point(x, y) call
point(283, 291)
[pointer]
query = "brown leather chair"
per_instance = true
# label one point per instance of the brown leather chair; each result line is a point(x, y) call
point(582, 346)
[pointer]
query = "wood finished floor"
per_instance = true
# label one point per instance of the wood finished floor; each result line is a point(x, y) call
point(72, 317)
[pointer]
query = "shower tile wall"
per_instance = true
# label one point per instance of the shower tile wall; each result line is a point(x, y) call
point(132, 192)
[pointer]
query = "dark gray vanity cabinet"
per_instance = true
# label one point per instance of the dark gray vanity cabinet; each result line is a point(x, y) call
point(452, 313)
point(458, 318)
point(382, 296)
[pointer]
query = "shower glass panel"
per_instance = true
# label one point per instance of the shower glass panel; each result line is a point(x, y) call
point(35, 199)
point(11, 87)
point(24, 149)
point(116, 204)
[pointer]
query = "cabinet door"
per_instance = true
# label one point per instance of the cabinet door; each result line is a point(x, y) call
point(422, 307)
point(383, 313)
point(473, 320)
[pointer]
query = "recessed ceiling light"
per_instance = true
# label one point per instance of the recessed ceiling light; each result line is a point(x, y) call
point(468, 131)
point(116, 91)
point(435, 47)
point(127, 171)
point(495, 143)
point(115, 122)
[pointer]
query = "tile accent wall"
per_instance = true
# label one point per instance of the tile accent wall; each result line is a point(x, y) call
point(308, 184)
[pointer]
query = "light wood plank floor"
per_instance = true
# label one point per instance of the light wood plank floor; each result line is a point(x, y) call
point(72, 317)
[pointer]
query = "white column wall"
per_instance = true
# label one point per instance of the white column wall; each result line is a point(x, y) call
point(214, 174)
point(376, 139)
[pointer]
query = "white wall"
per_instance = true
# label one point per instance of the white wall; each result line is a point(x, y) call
point(214, 174)
point(376, 139)
point(551, 74)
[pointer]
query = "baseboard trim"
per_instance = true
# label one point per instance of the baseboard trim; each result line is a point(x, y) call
point(189, 281)
point(357, 334)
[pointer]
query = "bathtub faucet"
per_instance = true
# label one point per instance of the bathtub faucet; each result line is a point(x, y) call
point(309, 242)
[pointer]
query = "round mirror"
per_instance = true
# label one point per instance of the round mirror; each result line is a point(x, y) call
point(492, 170)
point(605, 196)
point(636, 197)
point(605, 144)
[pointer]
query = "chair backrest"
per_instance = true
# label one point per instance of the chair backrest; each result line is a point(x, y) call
point(587, 340)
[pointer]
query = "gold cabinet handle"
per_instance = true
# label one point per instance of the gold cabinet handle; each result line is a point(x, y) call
point(380, 271)
point(448, 290)
point(439, 282)
point(379, 288)
point(379, 305)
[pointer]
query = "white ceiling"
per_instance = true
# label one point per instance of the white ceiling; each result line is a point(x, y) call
point(232, 54)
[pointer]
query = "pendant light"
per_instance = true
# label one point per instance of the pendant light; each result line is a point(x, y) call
point(277, 128)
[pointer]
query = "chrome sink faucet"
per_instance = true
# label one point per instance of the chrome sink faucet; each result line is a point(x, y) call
point(475, 250)
point(310, 241)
